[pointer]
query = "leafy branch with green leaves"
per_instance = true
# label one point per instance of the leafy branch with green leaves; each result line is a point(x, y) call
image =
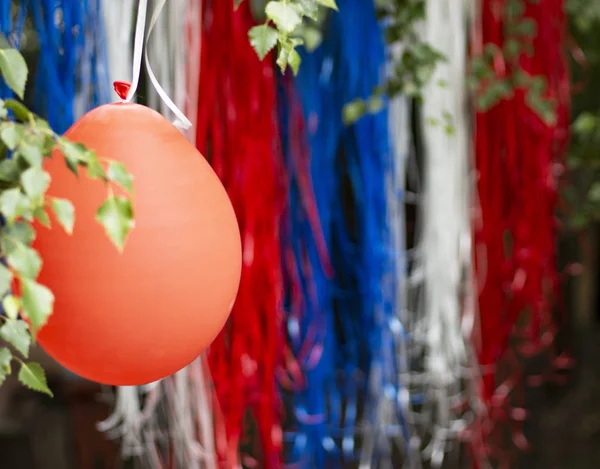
point(26, 141)
point(285, 29)
point(292, 23)
point(497, 73)
point(414, 67)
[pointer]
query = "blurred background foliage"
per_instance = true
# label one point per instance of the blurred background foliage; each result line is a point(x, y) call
point(582, 190)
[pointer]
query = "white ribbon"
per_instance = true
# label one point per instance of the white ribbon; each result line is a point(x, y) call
point(140, 43)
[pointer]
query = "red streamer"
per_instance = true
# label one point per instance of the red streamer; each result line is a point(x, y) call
point(519, 157)
point(237, 130)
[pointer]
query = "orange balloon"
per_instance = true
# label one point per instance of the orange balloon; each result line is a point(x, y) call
point(136, 317)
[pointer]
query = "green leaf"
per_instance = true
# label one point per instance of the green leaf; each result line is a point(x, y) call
point(65, 213)
point(375, 104)
point(11, 134)
point(312, 37)
point(594, 193)
point(19, 110)
point(35, 183)
point(263, 38)
point(12, 204)
point(5, 359)
point(41, 215)
point(4, 43)
point(116, 215)
point(20, 231)
point(538, 84)
point(45, 141)
point(14, 70)
point(578, 221)
point(329, 4)
point(527, 27)
point(308, 8)
point(32, 154)
point(16, 333)
point(10, 170)
point(354, 111)
point(11, 306)
point(25, 260)
point(32, 376)
point(118, 173)
point(514, 9)
point(37, 301)
point(75, 154)
point(512, 48)
point(76, 151)
point(282, 57)
point(284, 15)
point(585, 123)
point(94, 168)
point(432, 121)
point(294, 61)
point(5, 280)
point(72, 164)
point(237, 3)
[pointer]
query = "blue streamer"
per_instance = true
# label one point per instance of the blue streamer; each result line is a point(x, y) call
point(354, 312)
point(72, 67)
point(369, 160)
point(313, 325)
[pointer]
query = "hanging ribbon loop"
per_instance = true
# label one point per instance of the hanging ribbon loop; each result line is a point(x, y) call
point(141, 43)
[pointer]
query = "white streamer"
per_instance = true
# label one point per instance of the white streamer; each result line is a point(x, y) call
point(400, 128)
point(183, 400)
point(444, 318)
point(126, 421)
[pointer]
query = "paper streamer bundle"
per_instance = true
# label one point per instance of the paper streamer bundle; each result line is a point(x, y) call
point(308, 273)
point(238, 132)
point(71, 73)
point(400, 131)
point(311, 325)
point(400, 128)
point(519, 157)
point(445, 315)
point(351, 316)
point(378, 333)
point(167, 424)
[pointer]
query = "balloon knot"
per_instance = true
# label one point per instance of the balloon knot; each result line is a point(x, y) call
point(122, 88)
